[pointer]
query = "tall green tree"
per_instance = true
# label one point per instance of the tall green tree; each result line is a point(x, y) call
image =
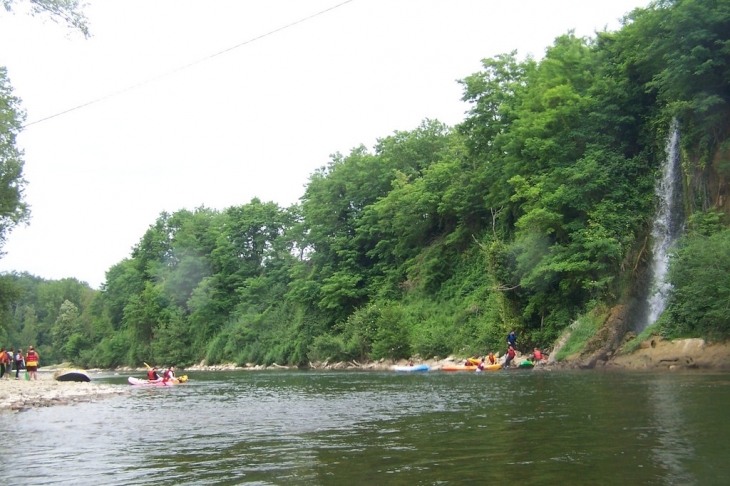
point(700, 276)
point(13, 208)
point(69, 12)
point(66, 325)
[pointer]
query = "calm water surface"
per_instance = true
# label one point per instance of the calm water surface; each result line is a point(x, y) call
point(380, 428)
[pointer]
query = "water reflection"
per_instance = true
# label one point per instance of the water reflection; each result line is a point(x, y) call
point(384, 428)
point(674, 448)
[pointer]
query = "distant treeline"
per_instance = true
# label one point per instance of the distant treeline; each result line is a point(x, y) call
point(533, 211)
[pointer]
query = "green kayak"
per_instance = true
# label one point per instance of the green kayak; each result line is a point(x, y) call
point(526, 364)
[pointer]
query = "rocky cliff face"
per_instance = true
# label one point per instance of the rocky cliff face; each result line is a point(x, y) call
point(716, 182)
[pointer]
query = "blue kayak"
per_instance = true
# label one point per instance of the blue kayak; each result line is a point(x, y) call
point(421, 367)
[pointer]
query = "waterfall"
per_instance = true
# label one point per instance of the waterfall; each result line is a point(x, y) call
point(668, 226)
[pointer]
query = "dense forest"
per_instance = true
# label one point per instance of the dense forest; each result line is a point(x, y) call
point(532, 214)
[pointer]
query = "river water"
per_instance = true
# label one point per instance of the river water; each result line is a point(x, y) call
point(380, 428)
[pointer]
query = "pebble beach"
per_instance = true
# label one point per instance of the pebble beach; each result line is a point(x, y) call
point(20, 395)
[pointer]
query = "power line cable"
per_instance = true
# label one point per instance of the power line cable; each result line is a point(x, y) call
point(129, 88)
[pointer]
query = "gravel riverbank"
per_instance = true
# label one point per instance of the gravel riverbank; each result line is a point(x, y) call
point(19, 395)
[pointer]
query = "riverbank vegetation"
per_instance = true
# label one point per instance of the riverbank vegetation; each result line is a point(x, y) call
point(532, 212)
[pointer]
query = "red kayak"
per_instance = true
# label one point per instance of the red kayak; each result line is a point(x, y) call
point(137, 381)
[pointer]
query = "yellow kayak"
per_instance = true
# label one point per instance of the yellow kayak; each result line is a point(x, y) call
point(458, 368)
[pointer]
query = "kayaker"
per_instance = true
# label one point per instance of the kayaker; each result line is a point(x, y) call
point(510, 356)
point(480, 366)
point(537, 355)
point(491, 359)
point(152, 375)
point(168, 375)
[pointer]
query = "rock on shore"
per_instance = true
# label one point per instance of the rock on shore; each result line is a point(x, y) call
point(19, 395)
point(657, 353)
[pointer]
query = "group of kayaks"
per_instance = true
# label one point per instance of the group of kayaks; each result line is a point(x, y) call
point(463, 367)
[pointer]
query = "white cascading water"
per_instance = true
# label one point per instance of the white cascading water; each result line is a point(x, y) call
point(668, 226)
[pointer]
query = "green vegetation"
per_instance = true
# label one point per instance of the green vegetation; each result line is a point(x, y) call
point(700, 302)
point(580, 331)
point(530, 213)
point(633, 344)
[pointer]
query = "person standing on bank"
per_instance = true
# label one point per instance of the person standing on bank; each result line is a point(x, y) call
point(19, 362)
point(510, 357)
point(31, 363)
point(3, 362)
point(512, 339)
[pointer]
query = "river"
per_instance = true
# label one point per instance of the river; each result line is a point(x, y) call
point(380, 428)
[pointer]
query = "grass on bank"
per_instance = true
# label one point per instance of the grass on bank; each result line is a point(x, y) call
point(632, 345)
point(584, 328)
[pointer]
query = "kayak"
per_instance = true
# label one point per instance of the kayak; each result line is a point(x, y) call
point(458, 368)
point(71, 375)
point(494, 367)
point(526, 364)
point(421, 367)
point(139, 382)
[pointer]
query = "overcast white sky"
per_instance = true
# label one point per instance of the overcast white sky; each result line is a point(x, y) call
point(253, 122)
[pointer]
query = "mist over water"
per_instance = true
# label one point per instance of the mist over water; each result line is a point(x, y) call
point(668, 226)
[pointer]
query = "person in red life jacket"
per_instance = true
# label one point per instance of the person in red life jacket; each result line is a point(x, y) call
point(168, 375)
point(537, 355)
point(510, 356)
point(3, 362)
point(491, 359)
point(31, 363)
point(152, 374)
point(480, 366)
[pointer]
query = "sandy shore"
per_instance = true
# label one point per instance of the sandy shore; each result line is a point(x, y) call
point(19, 395)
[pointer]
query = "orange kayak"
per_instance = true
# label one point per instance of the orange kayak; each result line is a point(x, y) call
point(494, 367)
